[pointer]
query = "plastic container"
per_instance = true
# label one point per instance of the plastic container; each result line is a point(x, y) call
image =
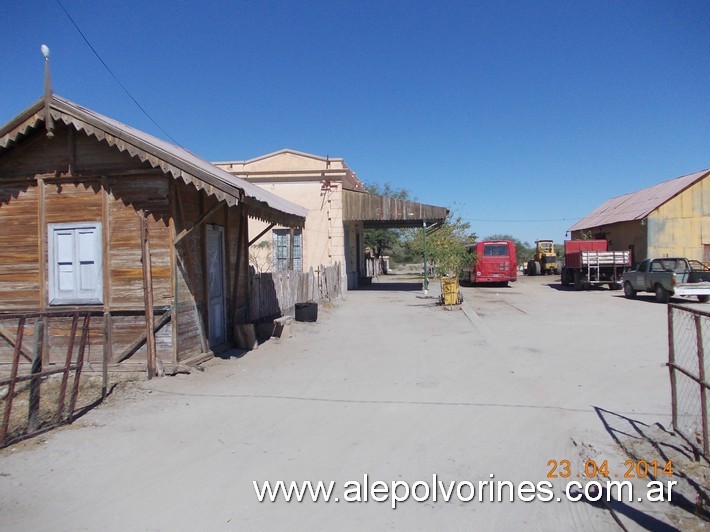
point(450, 290)
point(307, 311)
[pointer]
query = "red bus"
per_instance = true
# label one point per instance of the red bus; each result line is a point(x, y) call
point(492, 261)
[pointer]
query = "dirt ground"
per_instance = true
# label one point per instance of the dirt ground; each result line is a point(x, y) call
point(386, 384)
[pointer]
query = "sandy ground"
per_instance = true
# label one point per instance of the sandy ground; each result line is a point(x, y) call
point(385, 384)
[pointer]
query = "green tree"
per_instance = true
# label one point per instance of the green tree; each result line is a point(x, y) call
point(445, 246)
point(523, 250)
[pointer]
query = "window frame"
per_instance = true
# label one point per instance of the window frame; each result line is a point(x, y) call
point(281, 236)
point(56, 299)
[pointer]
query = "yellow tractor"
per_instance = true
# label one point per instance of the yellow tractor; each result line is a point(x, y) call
point(544, 260)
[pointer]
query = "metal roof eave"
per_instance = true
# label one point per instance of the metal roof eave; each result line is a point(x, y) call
point(171, 159)
point(638, 205)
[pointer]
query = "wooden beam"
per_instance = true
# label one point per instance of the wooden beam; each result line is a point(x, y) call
point(173, 271)
point(257, 237)
point(148, 296)
point(42, 235)
point(11, 340)
point(138, 343)
point(106, 240)
point(199, 222)
point(107, 353)
point(11, 387)
point(33, 420)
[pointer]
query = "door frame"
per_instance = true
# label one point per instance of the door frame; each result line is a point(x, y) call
point(220, 337)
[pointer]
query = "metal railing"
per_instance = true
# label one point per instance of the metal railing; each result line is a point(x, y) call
point(688, 353)
point(33, 398)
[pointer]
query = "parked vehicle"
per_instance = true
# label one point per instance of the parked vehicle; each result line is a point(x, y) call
point(669, 277)
point(492, 261)
point(544, 260)
point(589, 262)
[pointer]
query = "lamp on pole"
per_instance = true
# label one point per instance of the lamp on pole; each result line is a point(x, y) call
point(426, 281)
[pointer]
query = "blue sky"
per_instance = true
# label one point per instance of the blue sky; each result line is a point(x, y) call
point(518, 112)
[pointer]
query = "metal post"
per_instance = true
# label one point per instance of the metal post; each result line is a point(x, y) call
point(671, 368)
point(701, 375)
point(426, 281)
point(35, 382)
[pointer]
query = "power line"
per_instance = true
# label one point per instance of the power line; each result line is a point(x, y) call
point(521, 221)
point(114, 75)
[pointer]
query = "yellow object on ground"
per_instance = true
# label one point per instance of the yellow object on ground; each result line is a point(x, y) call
point(450, 290)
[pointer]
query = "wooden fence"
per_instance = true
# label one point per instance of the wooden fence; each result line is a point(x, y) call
point(276, 294)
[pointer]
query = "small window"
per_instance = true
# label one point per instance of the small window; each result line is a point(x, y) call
point(282, 249)
point(75, 270)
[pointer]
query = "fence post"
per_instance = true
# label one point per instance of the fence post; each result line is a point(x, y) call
point(701, 375)
point(671, 368)
point(13, 377)
point(106, 354)
point(79, 364)
point(67, 365)
point(35, 382)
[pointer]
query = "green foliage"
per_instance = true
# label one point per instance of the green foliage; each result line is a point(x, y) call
point(523, 250)
point(445, 246)
point(388, 190)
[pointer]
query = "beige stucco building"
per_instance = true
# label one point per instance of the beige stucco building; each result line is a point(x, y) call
point(339, 210)
point(670, 219)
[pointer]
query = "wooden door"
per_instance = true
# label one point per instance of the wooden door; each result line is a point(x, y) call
point(216, 313)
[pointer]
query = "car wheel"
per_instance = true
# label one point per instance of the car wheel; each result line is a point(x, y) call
point(662, 295)
point(629, 290)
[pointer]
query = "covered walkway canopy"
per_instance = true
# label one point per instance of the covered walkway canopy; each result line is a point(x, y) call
point(381, 212)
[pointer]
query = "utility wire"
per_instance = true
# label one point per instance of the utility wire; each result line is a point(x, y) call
point(521, 221)
point(114, 75)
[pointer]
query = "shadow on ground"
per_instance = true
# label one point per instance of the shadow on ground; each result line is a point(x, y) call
point(617, 508)
point(653, 443)
point(403, 286)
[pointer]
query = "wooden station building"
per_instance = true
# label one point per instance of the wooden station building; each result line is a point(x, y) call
point(100, 218)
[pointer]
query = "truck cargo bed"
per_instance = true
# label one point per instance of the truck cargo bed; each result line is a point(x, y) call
point(584, 259)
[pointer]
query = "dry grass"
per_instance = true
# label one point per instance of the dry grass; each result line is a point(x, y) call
point(89, 393)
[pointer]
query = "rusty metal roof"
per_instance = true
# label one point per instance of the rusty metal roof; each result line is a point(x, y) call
point(637, 205)
point(174, 160)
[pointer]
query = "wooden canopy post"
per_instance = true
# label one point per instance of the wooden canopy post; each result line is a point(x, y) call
point(148, 296)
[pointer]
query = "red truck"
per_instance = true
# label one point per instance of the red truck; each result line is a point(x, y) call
point(492, 261)
point(589, 262)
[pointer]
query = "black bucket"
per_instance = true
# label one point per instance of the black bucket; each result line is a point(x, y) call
point(306, 311)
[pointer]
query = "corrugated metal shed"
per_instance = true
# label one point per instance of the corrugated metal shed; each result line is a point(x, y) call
point(171, 159)
point(637, 205)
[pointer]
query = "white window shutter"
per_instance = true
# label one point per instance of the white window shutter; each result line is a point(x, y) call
point(75, 270)
point(64, 263)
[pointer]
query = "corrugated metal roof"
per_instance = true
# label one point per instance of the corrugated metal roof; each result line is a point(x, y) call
point(179, 162)
point(637, 205)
